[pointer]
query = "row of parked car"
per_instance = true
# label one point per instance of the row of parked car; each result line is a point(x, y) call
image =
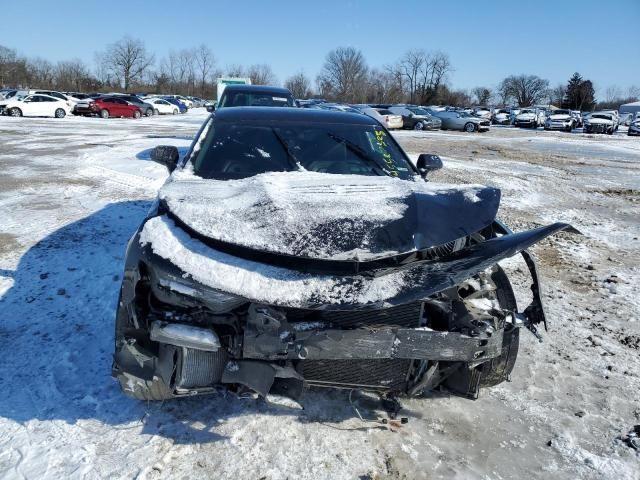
point(50, 103)
point(478, 119)
point(413, 117)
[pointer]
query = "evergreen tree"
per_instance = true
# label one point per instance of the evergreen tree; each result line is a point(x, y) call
point(580, 93)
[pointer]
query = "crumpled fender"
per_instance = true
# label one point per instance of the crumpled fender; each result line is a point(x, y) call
point(428, 278)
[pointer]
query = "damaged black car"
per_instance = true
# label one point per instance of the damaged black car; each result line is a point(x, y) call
point(295, 248)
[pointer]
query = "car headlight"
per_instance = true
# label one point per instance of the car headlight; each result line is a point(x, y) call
point(216, 300)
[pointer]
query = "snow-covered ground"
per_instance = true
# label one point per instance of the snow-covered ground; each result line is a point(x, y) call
point(72, 191)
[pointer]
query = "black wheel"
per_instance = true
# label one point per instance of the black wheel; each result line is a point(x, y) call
point(156, 112)
point(418, 126)
point(139, 389)
point(175, 111)
point(137, 114)
point(470, 127)
point(498, 369)
point(104, 113)
point(60, 113)
point(148, 112)
point(15, 112)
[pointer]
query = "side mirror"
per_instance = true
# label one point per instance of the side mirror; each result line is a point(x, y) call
point(211, 108)
point(166, 155)
point(428, 163)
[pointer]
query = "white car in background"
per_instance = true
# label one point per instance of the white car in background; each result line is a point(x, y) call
point(35, 106)
point(162, 107)
point(70, 101)
point(601, 122)
point(384, 116)
point(560, 120)
point(530, 117)
point(482, 112)
point(502, 116)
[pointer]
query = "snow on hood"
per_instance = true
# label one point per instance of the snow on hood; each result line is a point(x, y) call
point(328, 216)
point(560, 116)
point(526, 115)
point(258, 281)
point(606, 121)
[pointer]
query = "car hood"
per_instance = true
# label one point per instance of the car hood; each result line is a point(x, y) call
point(604, 121)
point(526, 115)
point(325, 217)
point(560, 117)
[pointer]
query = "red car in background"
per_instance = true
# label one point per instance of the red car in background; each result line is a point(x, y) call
point(107, 107)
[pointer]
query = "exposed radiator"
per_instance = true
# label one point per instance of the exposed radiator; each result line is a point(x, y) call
point(198, 368)
point(390, 374)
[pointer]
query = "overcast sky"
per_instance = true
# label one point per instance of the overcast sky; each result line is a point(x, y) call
point(486, 41)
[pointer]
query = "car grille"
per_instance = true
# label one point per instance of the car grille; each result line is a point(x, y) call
point(382, 375)
point(400, 316)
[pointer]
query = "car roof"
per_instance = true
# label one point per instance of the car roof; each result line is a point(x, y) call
point(257, 89)
point(292, 114)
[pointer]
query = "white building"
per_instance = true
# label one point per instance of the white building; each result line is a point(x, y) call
point(630, 107)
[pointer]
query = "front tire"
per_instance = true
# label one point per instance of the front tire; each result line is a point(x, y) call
point(15, 112)
point(470, 127)
point(104, 113)
point(148, 112)
point(156, 112)
point(137, 114)
point(175, 111)
point(418, 126)
point(60, 113)
point(498, 369)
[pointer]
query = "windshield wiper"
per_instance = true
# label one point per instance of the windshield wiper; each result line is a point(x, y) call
point(359, 151)
point(295, 163)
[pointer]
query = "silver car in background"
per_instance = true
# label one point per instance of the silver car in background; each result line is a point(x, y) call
point(387, 118)
point(463, 121)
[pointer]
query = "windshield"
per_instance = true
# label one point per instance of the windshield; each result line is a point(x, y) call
point(245, 99)
point(243, 150)
point(604, 117)
point(527, 111)
point(419, 111)
point(561, 112)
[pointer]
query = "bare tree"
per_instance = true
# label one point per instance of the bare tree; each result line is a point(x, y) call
point(72, 75)
point(261, 74)
point(557, 94)
point(128, 60)
point(299, 85)
point(411, 67)
point(235, 70)
point(384, 86)
point(41, 72)
point(206, 63)
point(482, 95)
point(345, 72)
point(633, 92)
point(612, 93)
point(434, 74)
point(13, 69)
point(323, 87)
point(525, 89)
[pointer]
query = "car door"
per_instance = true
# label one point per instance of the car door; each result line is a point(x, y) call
point(31, 106)
point(48, 106)
point(164, 107)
